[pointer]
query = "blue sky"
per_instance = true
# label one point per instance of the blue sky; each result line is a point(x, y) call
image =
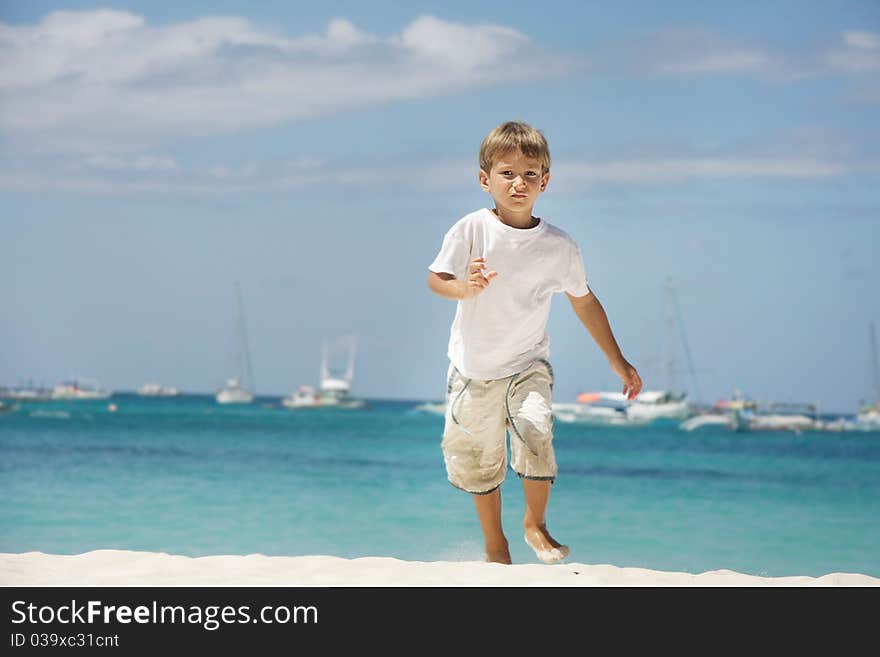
point(153, 154)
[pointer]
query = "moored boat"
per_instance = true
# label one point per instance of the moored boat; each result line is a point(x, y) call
point(79, 389)
point(234, 390)
point(334, 388)
point(157, 390)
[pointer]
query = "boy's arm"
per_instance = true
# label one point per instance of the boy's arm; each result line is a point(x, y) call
point(592, 315)
point(449, 287)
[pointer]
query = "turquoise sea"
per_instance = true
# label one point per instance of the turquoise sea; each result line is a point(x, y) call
point(188, 476)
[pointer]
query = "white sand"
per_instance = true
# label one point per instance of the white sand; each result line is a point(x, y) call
point(125, 568)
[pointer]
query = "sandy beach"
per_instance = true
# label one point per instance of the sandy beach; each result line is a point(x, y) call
point(129, 568)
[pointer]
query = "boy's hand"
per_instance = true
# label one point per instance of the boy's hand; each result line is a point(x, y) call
point(632, 382)
point(478, 279)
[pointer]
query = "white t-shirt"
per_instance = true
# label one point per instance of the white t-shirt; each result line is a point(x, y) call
point(504, 328)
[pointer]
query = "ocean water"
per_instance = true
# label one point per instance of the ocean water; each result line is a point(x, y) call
point(188, 476)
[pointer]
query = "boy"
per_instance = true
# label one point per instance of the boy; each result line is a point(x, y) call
point(503, 266)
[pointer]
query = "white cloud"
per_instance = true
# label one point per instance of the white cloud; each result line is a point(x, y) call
point(106, 162)
point(143, 163)
point(462, 46)
point(103, 80)
point(153, 163)
point(860, 53)
point(112, 175)
point(862, 40)
point(690, 52)
point(686, 52)
point(731, 61)
point(699, 168)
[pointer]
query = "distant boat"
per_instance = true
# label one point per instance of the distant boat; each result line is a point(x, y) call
point(79, 388)
point(592, 414)
point(734, 413)
point(157, 390)
point(232, 392)
point(236, 390)
point(702, 420)
point(26, 393)
point(333, 390)
point(651, 406)
point(437, 408)
point(785, 416)
point(614, 408)
point(868, 417)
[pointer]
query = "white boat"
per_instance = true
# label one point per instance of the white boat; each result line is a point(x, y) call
point(303, 396)
point(651, 406)
point(233, 393)
point(157, 390)
point(26, 393)
point(333, 391)
point(614, 408)
point(708, 420)
point(79, 388)
point(868, 417)
point(785, 417)
point(734, 413)
point(436, 408)
point(583, 413)
point(236, 390)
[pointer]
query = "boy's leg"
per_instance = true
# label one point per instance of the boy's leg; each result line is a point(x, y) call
point(475, 452)
point(530, 418)
point(537, 494)
point(489, 512)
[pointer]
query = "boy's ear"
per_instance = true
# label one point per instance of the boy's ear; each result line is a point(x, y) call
point(484, 180)
point(545, 179)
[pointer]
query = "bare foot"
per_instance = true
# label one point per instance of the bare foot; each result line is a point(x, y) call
point(499, 554)
point(546, 548)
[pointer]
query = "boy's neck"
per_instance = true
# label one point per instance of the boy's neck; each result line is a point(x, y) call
point(516, 220)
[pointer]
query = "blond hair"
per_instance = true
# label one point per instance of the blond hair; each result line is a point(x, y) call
point(513, 136)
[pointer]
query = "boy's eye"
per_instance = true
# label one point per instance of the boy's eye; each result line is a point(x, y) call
point(508, 173)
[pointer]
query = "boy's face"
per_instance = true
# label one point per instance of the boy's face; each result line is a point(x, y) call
point(514, 182)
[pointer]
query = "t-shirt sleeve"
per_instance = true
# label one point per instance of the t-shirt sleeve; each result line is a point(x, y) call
point(454, 255)
point(575, 282)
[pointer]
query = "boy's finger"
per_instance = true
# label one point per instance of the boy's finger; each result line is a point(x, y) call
point(492, 274)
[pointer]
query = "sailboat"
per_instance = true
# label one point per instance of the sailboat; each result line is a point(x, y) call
point(237, 390)
point(333, 390)
point(613, 408)
point(868, 417)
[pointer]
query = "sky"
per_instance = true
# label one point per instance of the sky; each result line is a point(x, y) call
point(155, 154)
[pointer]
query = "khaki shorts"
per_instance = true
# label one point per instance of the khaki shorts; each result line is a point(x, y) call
point(479, 417)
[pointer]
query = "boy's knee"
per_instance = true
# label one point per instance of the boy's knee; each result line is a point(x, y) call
point(534, 415)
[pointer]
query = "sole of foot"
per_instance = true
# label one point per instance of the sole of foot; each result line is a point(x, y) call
point(551, 556)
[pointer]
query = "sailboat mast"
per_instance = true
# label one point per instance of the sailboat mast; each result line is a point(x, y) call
point(325, 367)
point(875, 363)
point(244, 355)
point(687, 349)
point(349, 375)
point(671, 381)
